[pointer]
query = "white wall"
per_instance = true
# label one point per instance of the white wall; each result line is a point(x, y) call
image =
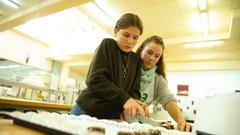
point(204, 66)
point(17, 48)
point(202, 84)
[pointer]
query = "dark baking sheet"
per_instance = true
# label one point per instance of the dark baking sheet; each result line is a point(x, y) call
point(35, 126)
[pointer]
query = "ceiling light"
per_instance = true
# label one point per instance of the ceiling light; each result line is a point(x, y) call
point(203, 44)
point(204, 20)
point(202, 5)
point(106, 8)
point(11, 3)
point(99, 13)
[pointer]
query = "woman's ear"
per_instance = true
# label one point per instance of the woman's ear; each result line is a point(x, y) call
point(115, 32)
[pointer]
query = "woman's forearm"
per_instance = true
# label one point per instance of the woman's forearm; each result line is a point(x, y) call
point(176, 114)
point(174, 111)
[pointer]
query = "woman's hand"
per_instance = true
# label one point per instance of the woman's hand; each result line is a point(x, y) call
point(144, 106)
point(184, 126)
point(132, 107)
point(122, 116)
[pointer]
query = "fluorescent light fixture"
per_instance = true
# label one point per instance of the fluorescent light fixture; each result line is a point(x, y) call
point(11, 3)
point(204, 20)
point(202, 5)
point(83, 21)
point(203, 44)
point(107, 9)
point(99, 13)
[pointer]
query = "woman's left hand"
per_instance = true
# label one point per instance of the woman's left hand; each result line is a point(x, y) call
point(184, 126)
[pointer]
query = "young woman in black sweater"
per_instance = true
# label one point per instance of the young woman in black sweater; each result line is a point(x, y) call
point(113, 78)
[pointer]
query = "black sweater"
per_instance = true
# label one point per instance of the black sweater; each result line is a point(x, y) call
point(107, 90)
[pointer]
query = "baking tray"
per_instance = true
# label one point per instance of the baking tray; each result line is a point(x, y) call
point(34, 126)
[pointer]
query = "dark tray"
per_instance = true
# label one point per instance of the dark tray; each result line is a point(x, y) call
point(35, 126)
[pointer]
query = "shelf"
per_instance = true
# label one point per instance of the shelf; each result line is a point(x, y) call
point(24, 85)
point(16, 95)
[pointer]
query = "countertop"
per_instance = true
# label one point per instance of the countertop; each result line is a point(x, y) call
point(9, 128)
point(6, 102)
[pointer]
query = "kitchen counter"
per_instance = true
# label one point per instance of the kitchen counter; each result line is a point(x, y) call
point(9, 128)
point(13, 103)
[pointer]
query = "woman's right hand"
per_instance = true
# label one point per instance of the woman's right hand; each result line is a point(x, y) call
point(132, 107)
point(144, 106)
point(184, 126)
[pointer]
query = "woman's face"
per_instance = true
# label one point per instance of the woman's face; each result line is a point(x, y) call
point(150, 55)
point(127, 38)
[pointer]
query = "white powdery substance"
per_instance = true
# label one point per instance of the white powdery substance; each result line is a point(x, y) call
point(78, 124)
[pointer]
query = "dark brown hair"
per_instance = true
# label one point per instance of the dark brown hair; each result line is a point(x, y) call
point(128, 20)
point(160, 64)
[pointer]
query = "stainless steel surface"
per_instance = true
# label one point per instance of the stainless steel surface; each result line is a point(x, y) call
point(144, 119)
point(141, 119)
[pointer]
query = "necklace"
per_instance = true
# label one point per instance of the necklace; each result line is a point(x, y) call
point(125, 67)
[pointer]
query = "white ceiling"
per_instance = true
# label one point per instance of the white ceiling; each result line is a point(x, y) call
point(177, 21)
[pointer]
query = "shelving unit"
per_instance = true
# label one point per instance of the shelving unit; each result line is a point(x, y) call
point(22, 96)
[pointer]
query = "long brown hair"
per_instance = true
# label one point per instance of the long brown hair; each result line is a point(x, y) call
point(127, 20)
point(160, 64)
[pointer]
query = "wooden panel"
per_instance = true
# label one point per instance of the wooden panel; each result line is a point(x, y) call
point(18, 103)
